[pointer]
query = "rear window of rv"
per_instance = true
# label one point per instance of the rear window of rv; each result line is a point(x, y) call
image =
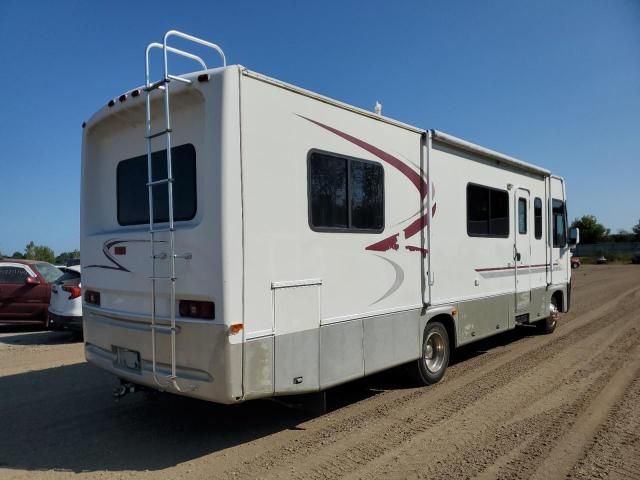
point(487, 212)
point(133, 201)
point(345, 194)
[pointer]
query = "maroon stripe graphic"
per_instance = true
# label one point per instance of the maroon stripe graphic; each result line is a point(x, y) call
point(495, 269)
point(398, 164)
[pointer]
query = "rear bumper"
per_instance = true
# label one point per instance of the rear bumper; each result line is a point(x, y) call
point(208, 365)
point(62, 322)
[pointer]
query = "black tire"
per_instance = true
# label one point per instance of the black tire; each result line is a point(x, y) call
point(436, 351)
point(549, 324)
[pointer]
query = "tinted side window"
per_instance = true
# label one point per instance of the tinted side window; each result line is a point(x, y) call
point(559, 224)
point(366, 192)
point(12, 275)
point(499, 213)
point(133, 201)
point(477, 210)
point(328, 191)
point(537, 218)
point(487, 212)
point(522, 215)
point(345, 194)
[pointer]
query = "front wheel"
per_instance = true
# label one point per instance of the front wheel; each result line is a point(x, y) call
point(434, 360)
point(549, 324)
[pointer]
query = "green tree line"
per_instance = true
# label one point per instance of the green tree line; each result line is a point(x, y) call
point(43, 253)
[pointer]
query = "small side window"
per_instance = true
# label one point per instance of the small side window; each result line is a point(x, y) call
point(522, 215)
point(487, 212)
point(537, 218)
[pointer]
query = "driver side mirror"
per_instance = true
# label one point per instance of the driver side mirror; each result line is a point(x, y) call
point(574, 236)
point(32, 281)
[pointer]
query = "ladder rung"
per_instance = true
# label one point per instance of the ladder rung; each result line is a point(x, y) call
point(160, 182)
point(155, 85)
point(158, 134)
point(172, 279)
point(162, 230)
point(179, 79)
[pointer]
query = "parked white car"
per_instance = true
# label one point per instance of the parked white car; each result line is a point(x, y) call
point(65, 306)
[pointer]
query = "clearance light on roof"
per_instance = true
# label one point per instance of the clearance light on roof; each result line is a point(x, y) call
point(204, 77)
point(196, 309)
point(122, 97)
point(111, 103)
point(135, 93)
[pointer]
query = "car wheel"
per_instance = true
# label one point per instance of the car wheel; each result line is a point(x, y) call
point(549, 324)
point(433, 362)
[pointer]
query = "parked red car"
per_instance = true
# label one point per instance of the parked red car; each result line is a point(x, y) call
point(575, 262)
point(25, 290)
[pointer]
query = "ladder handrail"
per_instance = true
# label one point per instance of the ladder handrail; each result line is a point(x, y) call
point(191, 38)
point(177, 51)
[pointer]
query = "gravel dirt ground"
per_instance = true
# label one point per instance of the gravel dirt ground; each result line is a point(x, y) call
point(520, 405)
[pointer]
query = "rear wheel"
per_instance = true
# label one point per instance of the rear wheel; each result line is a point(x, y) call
point(548, 325)
point(430, 367)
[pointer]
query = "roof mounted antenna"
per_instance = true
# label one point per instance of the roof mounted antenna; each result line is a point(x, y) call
point(378, 108)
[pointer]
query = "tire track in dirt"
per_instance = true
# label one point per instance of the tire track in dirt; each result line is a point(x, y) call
point(614, 451)
point(493, 428)
point(390, 429)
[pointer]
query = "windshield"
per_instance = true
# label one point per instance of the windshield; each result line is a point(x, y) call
point(48, 271)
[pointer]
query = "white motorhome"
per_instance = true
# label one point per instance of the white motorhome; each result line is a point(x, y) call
point(296, 242)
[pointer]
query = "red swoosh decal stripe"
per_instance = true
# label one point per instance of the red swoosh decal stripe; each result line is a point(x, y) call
point(396, 163)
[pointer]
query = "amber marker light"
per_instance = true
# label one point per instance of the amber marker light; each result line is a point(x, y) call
point(235, 328)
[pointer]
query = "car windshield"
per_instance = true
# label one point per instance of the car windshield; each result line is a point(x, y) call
point(48, 271)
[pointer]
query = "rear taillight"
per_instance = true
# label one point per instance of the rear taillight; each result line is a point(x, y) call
point(195, 309)
point(74, 291)
point(92, 297)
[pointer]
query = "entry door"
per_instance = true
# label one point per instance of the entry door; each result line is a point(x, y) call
point(522, 250)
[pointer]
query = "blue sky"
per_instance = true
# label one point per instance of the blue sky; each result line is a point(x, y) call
point(555, 83)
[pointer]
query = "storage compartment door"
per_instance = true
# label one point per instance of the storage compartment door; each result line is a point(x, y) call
point(296, 307)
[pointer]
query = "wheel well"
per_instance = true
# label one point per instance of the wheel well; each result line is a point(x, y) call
point(449, 325)
point(558, 296)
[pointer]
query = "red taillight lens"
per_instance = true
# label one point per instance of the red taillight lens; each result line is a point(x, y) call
point(194, 309)
point(92, 297)
point(74, 291)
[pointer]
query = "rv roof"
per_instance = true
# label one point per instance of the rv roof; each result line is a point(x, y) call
point(485, 152)
point(437, 135)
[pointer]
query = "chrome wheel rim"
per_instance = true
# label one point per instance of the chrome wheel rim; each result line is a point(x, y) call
point(433, 352)
point(553, 314)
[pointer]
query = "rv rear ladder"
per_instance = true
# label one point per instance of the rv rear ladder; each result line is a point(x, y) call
point(150, 87)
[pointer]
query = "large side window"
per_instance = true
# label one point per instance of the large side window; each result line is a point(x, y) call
point(345, 194)
point(559, 223)
point(12, 275)
point(537, 218)
point(487, 212)
point(133, 201)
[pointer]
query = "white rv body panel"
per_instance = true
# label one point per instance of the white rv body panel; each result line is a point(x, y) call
point(300, 308)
